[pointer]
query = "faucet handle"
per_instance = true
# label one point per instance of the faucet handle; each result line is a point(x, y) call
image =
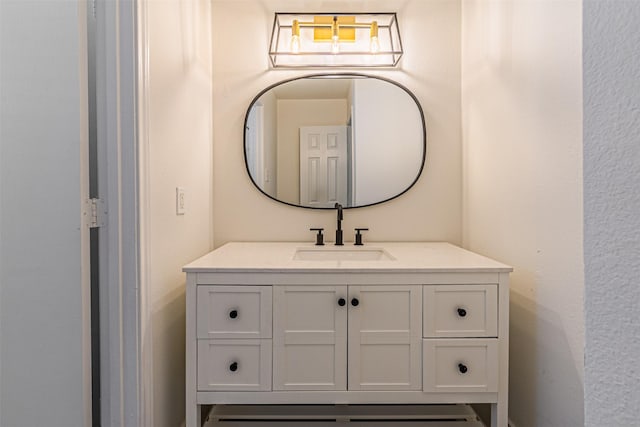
point(359, 236)
point(319, 236)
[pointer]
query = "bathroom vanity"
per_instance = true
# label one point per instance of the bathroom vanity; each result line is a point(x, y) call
point(387, 323)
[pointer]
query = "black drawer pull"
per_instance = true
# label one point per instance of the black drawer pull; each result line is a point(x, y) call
point(342, 302)
point(233, 367)
point(233, 314)
point(462, 368)
point(461, 312)
point(355, 302)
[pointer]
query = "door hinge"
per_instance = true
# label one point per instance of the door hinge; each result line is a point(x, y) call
point(95, 213)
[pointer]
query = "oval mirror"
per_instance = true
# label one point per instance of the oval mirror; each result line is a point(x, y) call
point(325, 139)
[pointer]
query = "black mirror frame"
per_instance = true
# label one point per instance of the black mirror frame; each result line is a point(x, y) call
point(336, 76)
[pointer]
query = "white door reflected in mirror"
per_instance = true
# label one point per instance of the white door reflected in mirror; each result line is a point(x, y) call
point(323, 166)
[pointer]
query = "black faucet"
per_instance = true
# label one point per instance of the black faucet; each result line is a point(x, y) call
point(339, 242)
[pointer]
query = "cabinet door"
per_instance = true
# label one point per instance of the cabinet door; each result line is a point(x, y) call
point(385, 337)
point(309, 338)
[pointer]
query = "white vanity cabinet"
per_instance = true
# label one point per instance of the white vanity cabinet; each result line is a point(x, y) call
point(428, 324)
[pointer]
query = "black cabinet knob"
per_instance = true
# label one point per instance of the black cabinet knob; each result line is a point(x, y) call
point(233, 367)
point(355, 302)
point(462, 368)
point(233, 314)
point(342, 302)
point(462, 312)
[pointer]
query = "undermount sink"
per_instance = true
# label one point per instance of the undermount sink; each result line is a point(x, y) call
point(340, 254)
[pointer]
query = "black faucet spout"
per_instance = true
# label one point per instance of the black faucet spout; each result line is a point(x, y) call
point(340, 216)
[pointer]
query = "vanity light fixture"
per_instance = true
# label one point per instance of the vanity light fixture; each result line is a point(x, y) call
point(335, 40)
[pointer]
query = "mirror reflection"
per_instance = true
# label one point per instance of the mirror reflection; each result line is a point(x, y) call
point(351, 139)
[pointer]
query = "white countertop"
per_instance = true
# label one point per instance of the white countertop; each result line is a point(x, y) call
point(279, 257)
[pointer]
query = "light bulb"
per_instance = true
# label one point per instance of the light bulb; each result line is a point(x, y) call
point(295, 37)
point(335, 37)
point(295, 44)
point(335, 44)
point(374, 47)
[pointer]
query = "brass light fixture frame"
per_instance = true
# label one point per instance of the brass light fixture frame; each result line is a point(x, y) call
point(342, 32)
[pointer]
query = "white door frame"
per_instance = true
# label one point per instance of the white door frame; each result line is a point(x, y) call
point(123, 302)
point(255, 139)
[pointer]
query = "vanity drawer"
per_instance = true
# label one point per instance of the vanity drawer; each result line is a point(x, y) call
point(468, 311)
point(234, 312)
point(234, 365)
point(460, 365)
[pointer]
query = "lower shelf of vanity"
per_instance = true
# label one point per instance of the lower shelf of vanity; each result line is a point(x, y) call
point(456, 415)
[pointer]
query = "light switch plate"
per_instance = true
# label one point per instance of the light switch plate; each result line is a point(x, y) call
point(180, 201)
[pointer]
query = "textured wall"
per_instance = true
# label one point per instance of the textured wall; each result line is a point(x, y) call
point(430, 68)
point(612, 211)
point(521, 121)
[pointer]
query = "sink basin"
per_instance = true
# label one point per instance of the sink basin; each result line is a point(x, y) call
point(339, 254)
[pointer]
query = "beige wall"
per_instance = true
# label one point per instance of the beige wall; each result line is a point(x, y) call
point(522, 130)
point(292, 115)
point(430, 68)
point(178, 151)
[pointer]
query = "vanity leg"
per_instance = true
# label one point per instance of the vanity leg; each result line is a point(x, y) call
point(499, 417)
point(499, 411)
point(193, 412)
point(193, 416)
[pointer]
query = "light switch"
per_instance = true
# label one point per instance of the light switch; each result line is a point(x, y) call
point(180, 201)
